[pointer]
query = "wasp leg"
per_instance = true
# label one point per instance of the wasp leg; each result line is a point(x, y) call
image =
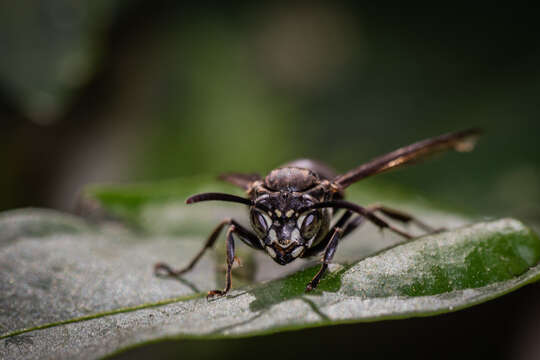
point(230, 261)
point(330, 242)
point(162, 269)
point(328, 255)
point(352, 225)
point(324, 242)
point(344, 227)
point(383, 224)
point(403, 217)
point(368, 214)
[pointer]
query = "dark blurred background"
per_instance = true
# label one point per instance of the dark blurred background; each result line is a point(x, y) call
point(123, 91)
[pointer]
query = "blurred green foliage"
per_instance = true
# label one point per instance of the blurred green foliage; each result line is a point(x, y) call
point(124, 91)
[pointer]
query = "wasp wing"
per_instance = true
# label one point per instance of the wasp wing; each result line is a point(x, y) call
point(459, 141)
point(241, 180)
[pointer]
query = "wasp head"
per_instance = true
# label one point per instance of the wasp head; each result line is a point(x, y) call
point(285, 229)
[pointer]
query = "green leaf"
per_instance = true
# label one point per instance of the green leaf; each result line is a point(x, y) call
point(69, 289)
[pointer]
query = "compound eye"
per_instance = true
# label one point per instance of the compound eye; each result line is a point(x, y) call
point(260, 221)
point(310, 225)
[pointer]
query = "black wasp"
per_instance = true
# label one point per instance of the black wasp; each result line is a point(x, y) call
point(291, 209)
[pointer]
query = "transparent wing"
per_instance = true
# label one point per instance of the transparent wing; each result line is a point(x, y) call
point(459, 141)
point(241, 180)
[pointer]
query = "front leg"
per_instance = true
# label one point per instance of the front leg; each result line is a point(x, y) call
point(163, 269)
point(344, 227)
point(328, 255)
point(230, 262)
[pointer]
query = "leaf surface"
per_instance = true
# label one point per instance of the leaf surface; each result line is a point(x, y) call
point(70, 289)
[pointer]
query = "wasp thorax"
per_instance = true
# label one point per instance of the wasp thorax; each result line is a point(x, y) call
point(291, 179)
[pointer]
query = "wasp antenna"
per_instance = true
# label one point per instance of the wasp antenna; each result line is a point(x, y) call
point(219, 197)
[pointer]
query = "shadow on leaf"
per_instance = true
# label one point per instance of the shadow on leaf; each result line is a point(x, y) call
point(294, 286)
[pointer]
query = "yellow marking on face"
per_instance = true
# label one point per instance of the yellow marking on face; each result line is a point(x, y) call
point(272, 236)
point(295, 236)
point(278, 213)
point(289, 213)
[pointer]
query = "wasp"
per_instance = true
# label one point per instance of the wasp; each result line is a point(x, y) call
point(292, 209)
